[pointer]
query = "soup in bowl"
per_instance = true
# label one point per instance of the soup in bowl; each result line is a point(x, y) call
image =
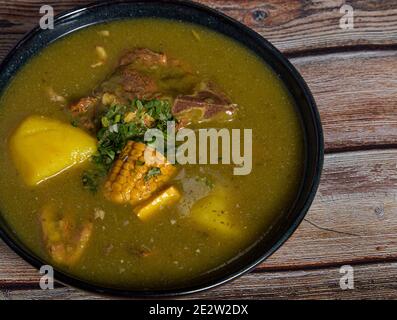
point(153, 151)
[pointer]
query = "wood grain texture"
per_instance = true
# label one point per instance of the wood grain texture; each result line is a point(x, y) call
point(299, 26)
point(353, 218)
point(356, 93)
point(293, 25)
point(370, 282)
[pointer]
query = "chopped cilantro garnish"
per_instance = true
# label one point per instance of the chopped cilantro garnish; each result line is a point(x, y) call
point(74, 123)
point(91, 178)
point(115, 132)
point(153, 172)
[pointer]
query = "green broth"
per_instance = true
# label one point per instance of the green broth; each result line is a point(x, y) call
point(181, 251)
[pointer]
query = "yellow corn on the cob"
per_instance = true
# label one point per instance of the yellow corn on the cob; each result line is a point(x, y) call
point(128, 181)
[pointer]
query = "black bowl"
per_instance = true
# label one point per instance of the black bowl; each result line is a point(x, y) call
point(272, 239)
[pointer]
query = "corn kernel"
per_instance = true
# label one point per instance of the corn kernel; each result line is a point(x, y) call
point(127, 183)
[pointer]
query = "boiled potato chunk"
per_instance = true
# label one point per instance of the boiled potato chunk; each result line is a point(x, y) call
point(211, 214)
point(166, 198)
point(43, 147)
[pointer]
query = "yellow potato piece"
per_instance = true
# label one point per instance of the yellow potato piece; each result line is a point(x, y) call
point(43, 147)
point(166, 198)
point(211, 214)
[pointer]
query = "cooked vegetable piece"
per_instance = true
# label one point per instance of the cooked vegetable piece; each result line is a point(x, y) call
point(133, 179)
point(54, 96)
point(101, 55)
point(43, 147)
point(165, 199)
point(211, 214)
point(193, 189)
point(120, 124)
point(64, 241)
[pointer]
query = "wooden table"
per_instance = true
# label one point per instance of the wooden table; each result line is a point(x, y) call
point(353, 221)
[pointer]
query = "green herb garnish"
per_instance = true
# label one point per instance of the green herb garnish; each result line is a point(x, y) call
point(92, 178)
point(74, 123)
point(140, 163)
point(153, 172)
point(115, 132)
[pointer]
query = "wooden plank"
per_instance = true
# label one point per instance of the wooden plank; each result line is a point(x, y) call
point(356, 96)
point(299, 26)
point(353, 220)
point(14, 271)
point(284, 23)
point(375, 281)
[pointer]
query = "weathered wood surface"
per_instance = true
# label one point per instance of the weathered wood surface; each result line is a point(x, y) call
point(353, 218)
point(356, 93)
point(353, 76)
point(292, 25)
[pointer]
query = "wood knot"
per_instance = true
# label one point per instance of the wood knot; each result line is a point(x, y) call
point(380, 212)
point(259, 15)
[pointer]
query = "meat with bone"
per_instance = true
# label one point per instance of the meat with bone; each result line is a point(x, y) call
point(207, 104)
point(144, 74)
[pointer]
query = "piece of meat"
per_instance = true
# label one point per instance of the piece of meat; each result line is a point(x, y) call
point(146, 75)
point(143, 57)
point(83, 106)
point(133, 78)
point(207, 104)
point(84, 113)
point(138, 85)
point(64, 241)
